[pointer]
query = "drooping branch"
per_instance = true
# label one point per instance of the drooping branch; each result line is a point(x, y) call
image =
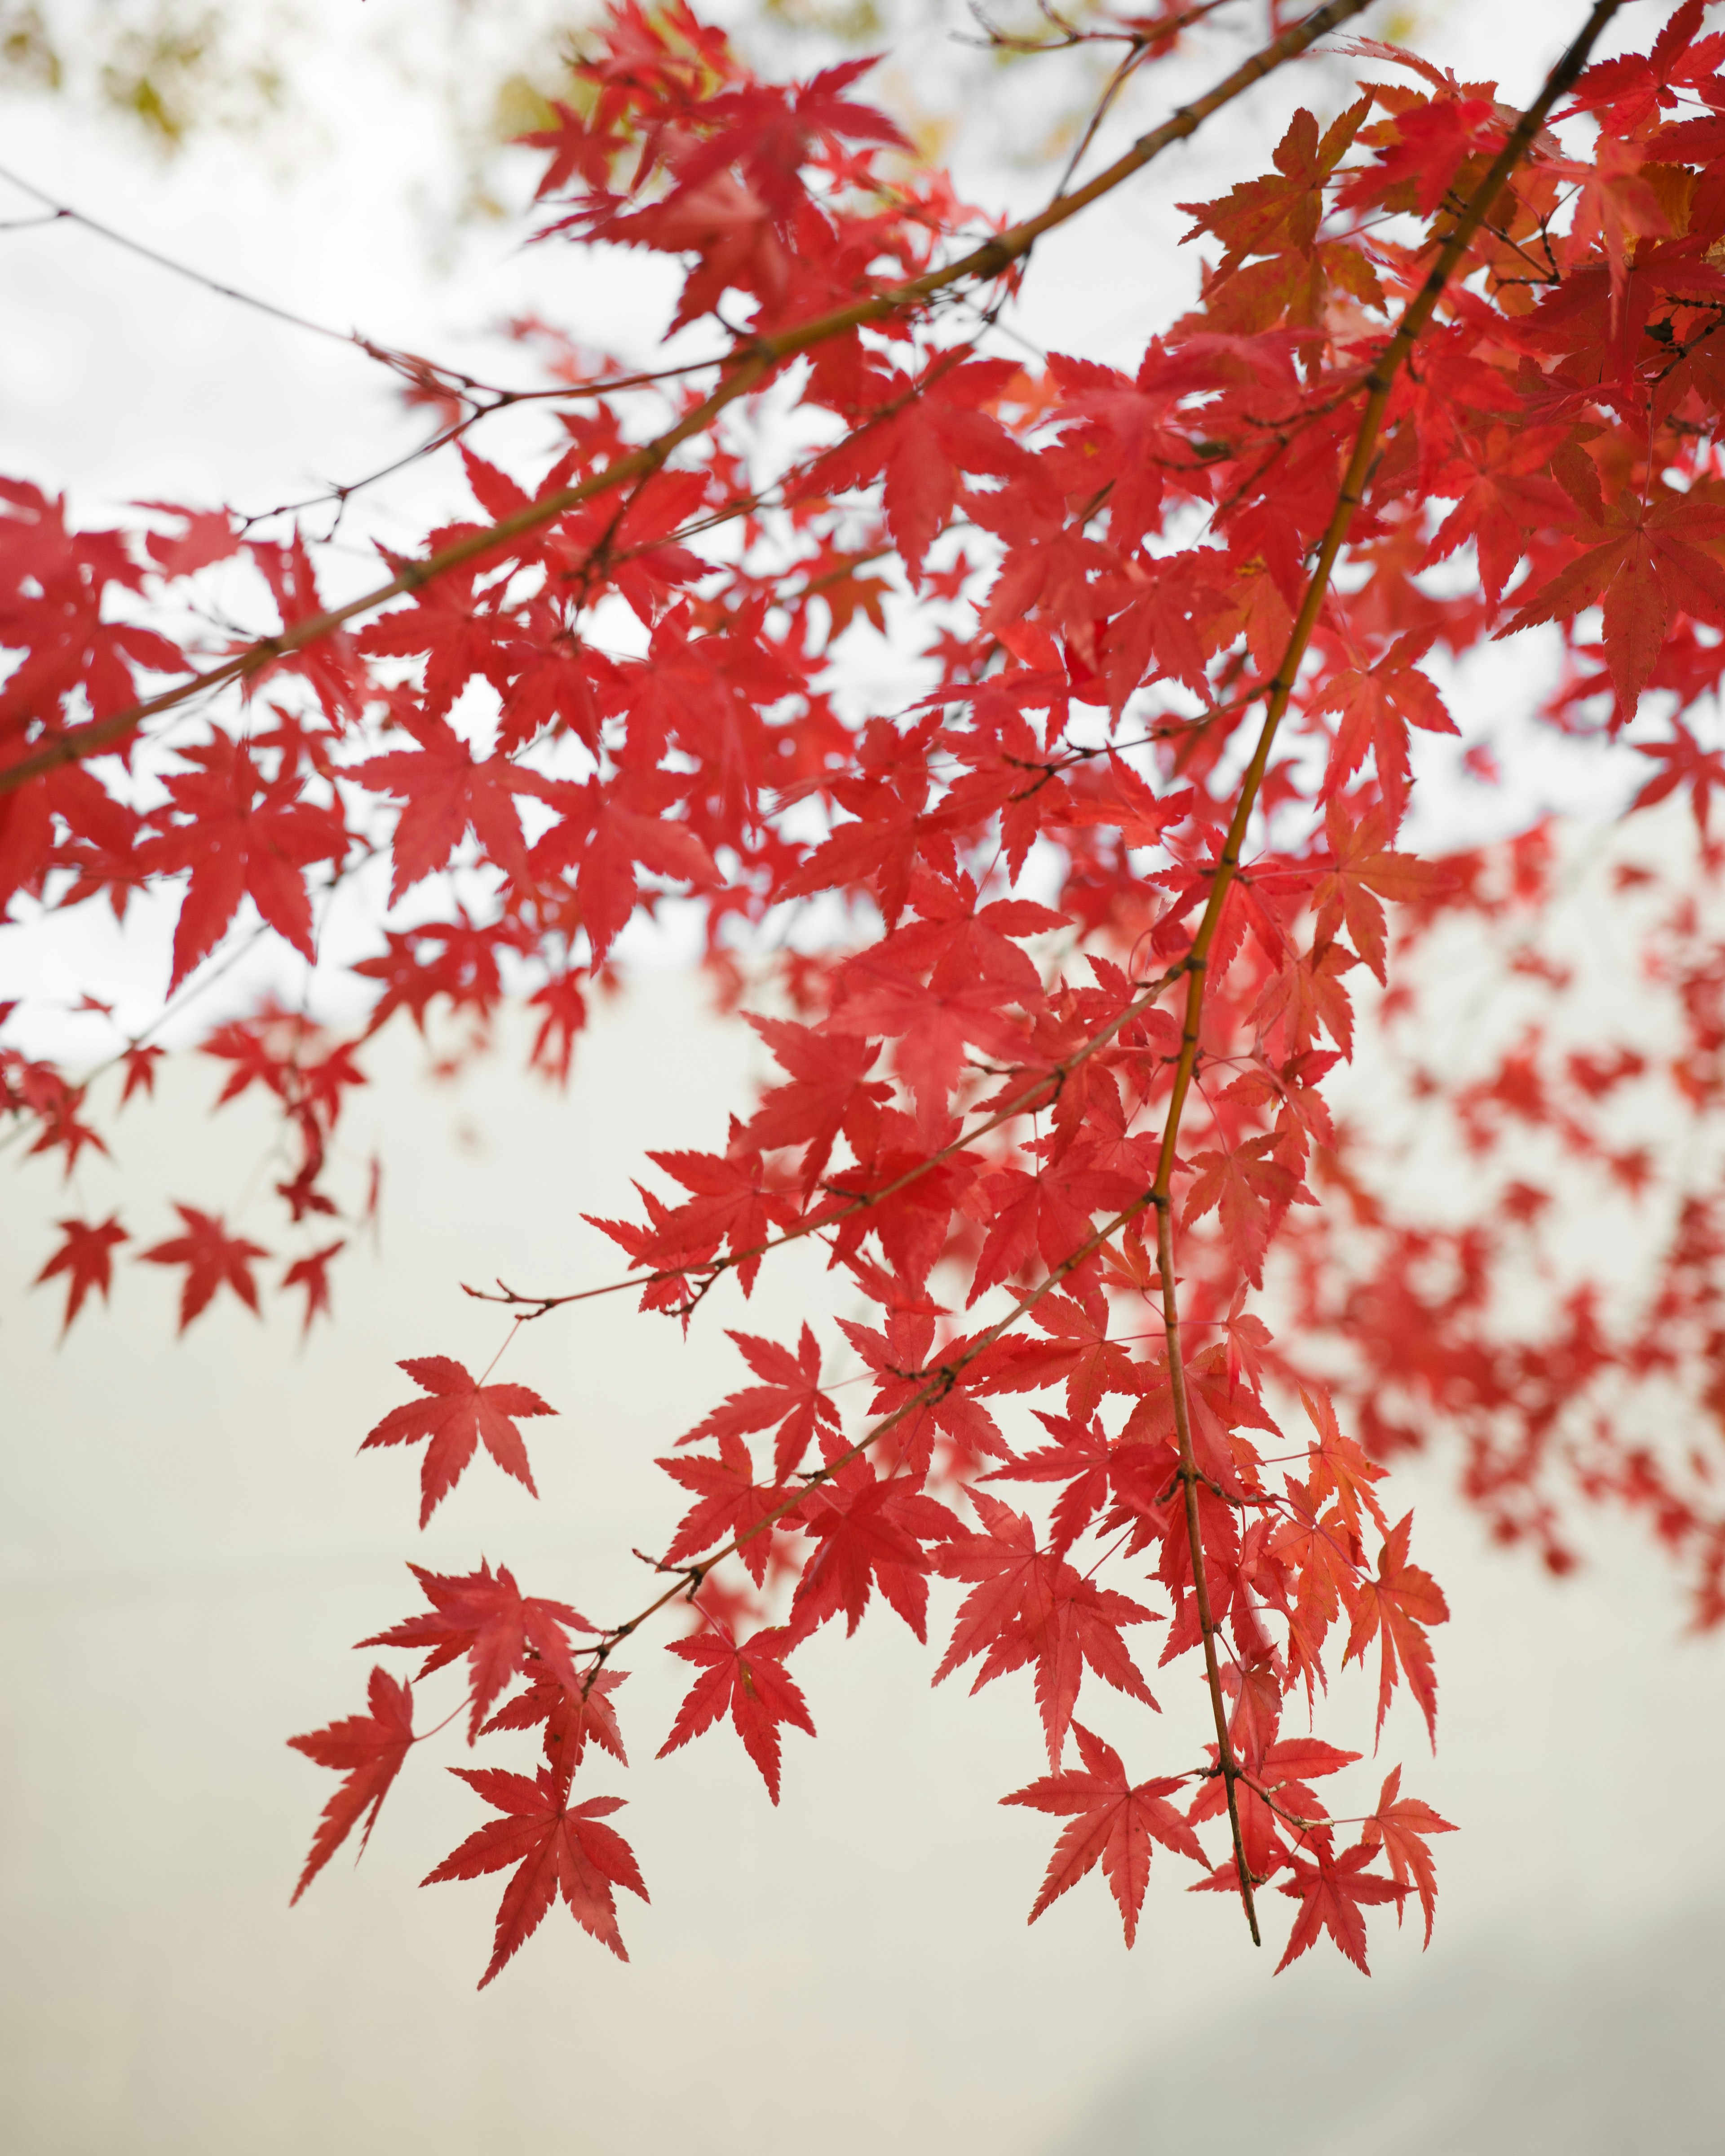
point(1377, 384)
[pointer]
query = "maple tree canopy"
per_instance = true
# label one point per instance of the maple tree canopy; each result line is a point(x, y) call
point(1055, 963)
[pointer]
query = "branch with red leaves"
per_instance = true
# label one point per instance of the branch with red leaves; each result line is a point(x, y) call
point(753, 368)
point(1436, 324)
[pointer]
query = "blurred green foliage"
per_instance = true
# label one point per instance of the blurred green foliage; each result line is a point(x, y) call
point(164, 69)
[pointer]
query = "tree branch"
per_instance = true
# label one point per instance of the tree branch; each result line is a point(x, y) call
point(752, 365)
point(1378, 384)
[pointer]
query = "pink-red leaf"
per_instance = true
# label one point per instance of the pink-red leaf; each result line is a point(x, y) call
point(556, 1850)
point(1114, 1823)
point(460, 1413)
point(367, 1749)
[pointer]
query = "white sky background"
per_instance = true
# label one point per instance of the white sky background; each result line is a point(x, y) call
point(187, 1545)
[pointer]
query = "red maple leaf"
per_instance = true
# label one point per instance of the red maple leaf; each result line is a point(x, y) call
point(894, 1194)
point(368, 1750)
point(209, 535)
point(1505, 495)
point(1364, 870)
point(53, 587)
point(1323, 1557)
point(896, 1358)
point(457, 632)
point(141, 1064)
point(1306, 995)
point(774, 128)
point(882, 846)
point(1027, 1605)
point(240, 836)
point(1081, 1456)
point(1281, 1771)
point(37, 1090)
point(445, 791)
point(1421, 150)
point(578, 150)
point(870, 1534)
point(1284, 208)
point(606, 881)
point(464, 969)
point(569, 1719)
point(312, 1273)
point(729, 1502)
point(86, 1257)
point(603, 831)
point(485, 1615)
point(734, 1200)
point(212, 1257)
point(1114, 1822)
point(827, 1087)
point(264, 1051)
point(556, 1850)
point(459, 1413)
point(1339, 1468)
point(923, 447)
point(328, 662)
point(1685, 763)
point(1332, 1891)
point(934, 1024)
point(1402, 1824)
point(1251, 1190)
point(1644, 560)
point(1630, 88)
point(1396, 1607)
point(790, 1395)
point(1377, 707)
point(1078, 1349)
point(749, 1679)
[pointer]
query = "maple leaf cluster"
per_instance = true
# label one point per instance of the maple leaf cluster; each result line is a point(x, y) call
point(1055, 1096)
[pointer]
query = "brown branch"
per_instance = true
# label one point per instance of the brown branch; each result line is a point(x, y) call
point(746, 505)
point(1190, 1478)
point(752, 365)
point(1378, 383)
point(60, 213)
point(1148, 36)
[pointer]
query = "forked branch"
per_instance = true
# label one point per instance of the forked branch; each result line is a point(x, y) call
point(752, 364)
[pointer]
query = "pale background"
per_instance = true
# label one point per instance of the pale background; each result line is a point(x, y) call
point(188, 1544)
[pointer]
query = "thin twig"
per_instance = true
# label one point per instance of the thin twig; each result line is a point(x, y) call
point(1044, 1087)
point(940, 1382)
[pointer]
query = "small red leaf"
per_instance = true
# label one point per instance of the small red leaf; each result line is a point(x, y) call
point(457, 1416)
